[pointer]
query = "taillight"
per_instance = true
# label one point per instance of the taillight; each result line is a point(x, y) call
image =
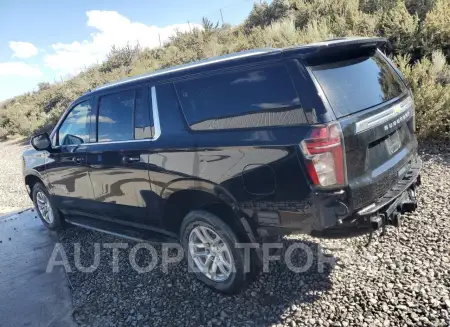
point(324, 154)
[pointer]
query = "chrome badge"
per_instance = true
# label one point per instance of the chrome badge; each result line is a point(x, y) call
point(399, 112)
point(396, 122)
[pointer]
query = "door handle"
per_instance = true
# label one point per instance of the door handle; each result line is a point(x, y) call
point(131, 159)
point(78, 159)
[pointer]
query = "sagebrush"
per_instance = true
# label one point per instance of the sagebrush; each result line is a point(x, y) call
point(419, 31)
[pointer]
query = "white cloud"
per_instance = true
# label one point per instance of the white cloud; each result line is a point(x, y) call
point(18, 68)
point(112, 29)
point(23, 49)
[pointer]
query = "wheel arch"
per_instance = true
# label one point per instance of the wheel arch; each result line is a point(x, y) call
point(30, 180)
point(180, 203)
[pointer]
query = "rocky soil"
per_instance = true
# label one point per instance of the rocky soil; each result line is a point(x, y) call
point(12, 189)
point(402, 279)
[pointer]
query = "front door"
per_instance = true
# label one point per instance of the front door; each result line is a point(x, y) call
point(118, 161)
point(66, 168)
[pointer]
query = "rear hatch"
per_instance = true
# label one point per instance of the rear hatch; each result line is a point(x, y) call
point(376, 112)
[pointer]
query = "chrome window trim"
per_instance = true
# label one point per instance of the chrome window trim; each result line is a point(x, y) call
point(155, 111)
point(383, 116)
point(156, 124)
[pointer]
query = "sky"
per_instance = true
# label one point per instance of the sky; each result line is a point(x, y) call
point(44, 41)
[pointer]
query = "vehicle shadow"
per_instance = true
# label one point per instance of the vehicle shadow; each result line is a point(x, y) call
point(176, 298)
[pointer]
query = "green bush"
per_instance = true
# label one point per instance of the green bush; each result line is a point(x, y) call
point(264, 14)
point(419, 31)
point(120, 57)
point(372, 6)
point(420, 7)
point(400, 28)
point(415, 7)
point(43, 86)
point(436, 29)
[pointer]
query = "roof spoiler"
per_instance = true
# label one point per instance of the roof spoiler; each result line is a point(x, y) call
point(335, 45)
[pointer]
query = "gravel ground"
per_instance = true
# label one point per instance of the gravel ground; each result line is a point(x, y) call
point(402, 279)
point(13, 196)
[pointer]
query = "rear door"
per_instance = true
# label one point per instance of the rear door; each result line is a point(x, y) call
point(118, 161)
point(375, 110)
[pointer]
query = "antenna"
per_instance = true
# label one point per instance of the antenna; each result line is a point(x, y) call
point(221, 15)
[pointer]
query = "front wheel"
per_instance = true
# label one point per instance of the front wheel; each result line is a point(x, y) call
point(46, 211)
point(210, 247)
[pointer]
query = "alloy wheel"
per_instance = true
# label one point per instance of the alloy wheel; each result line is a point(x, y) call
point(210, 253)
point(44, 207)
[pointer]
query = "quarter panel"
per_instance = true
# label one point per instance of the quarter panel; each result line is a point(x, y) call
point(222, 170)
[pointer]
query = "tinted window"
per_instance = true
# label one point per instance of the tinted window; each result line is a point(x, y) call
point(253, 98)
point(359, 83)
point(171, 116)
point(115, 117)
point(143, 126)
point(75, 128)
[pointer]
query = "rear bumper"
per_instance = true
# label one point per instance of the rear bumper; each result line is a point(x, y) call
point(411, 177)
point(328, 214)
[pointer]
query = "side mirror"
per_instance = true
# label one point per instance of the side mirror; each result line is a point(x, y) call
point(70, 139)
point(41, 142)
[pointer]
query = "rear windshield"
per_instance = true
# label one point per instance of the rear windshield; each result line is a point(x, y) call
point(359, 83)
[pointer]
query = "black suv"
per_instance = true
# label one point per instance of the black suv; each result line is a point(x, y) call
point(246, 147)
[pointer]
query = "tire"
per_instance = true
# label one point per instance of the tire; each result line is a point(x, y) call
point(198, 220)
point(40, 194)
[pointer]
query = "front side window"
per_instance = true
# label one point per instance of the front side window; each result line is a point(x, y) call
point(115, 117)
point(75, 128)
point(252, 98)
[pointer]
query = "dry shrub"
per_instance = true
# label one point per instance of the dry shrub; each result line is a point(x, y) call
point(429, 81)
point(400, 28)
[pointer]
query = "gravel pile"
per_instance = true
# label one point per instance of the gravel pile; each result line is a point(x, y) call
point(400, 280)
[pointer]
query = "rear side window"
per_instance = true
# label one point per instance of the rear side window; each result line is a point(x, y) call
point(143, 119)
point(115, 117)
point(252, 98)
point(358, 83)
point(124, 116)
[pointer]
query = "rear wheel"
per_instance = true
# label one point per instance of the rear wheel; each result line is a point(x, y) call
point(46, 210)
point(210, 247)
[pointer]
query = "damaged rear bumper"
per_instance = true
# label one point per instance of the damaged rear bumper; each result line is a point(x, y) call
point(329, 214)
point(387, 210)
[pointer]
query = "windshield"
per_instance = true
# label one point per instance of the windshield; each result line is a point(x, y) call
point(359, 83)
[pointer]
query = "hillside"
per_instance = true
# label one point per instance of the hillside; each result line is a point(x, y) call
point(419, 31)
